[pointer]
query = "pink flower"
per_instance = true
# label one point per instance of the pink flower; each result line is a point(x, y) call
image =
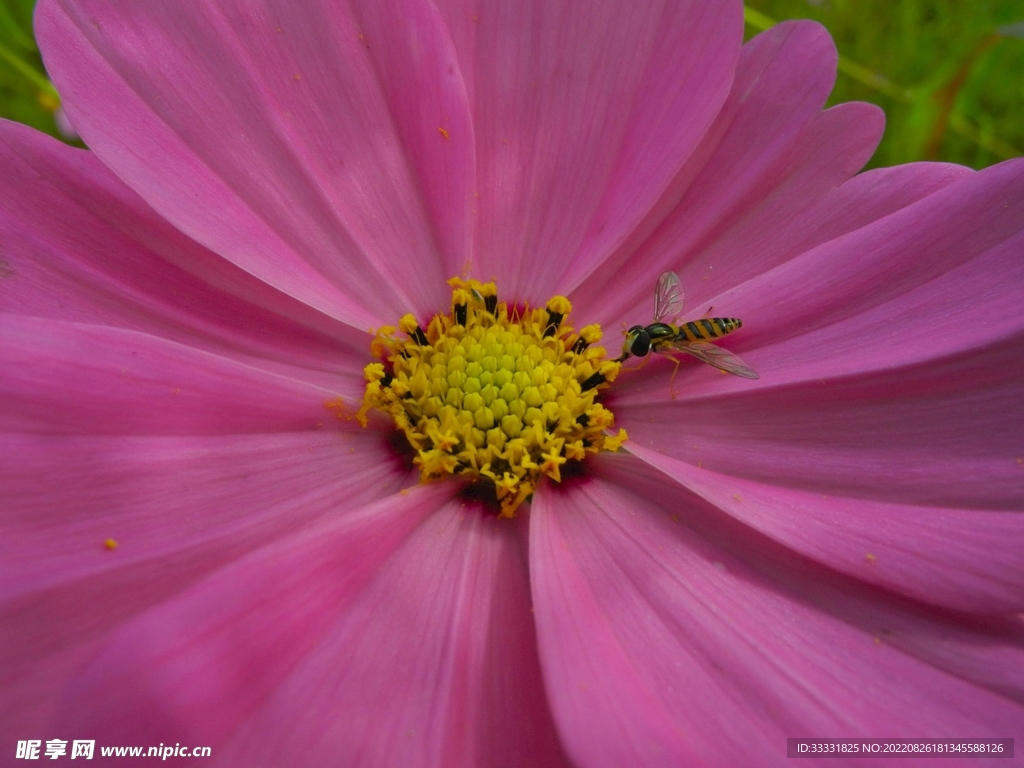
point(832, 550)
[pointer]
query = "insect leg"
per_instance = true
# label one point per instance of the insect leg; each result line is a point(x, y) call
point(647, 358)
point(675, 370)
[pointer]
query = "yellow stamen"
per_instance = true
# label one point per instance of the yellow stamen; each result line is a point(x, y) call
point(493, 394)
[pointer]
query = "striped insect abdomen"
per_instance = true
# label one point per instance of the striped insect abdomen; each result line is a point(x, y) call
point(708, 329)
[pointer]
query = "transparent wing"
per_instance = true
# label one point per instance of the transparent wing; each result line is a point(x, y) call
point(668, 297)
point(722, 359)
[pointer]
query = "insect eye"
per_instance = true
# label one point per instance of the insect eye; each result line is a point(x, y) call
point(641, 344)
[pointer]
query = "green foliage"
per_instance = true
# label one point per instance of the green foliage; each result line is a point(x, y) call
point(26, 94)
point(948, 73)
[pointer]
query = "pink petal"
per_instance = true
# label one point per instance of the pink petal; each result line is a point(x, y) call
point(670, 638)
point(390, 637)
point(178, 508)
point(583, 114)
point(965, 560)
point(970, 307)
point(80, 246)
point(983, 650)
point(72, 378)
point(973, 225)
point(760, 242)
point(770, 156)
point(281, 597)
point(301, 143)
point(944, 434)
point(156, 496)
point(901, 387)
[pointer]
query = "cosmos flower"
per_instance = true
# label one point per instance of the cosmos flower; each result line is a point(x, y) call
point(196, 549)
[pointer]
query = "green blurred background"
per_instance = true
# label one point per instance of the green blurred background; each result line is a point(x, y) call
point(948, 73)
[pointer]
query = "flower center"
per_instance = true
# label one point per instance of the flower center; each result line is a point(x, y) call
point(492, 393)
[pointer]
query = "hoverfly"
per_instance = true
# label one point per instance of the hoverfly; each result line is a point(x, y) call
point(693, 338)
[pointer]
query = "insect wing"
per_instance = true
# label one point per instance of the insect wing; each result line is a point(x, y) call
point(722, 359)
point(668, 297)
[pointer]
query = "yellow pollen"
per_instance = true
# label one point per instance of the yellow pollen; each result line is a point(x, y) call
point(493, 394)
